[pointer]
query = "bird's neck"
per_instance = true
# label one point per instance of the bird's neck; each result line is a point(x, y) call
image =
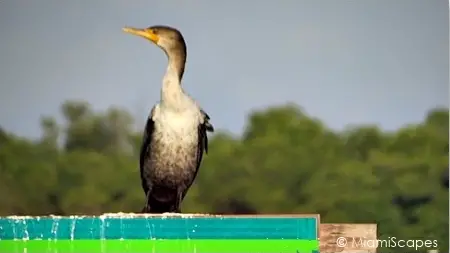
point(172, 93)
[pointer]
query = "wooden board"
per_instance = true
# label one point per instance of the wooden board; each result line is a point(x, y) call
point(328, 238)
point(354, 238)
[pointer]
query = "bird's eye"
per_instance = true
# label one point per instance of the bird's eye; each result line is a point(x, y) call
point(155, 30)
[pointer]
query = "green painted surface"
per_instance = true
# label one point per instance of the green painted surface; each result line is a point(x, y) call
point(160, 246)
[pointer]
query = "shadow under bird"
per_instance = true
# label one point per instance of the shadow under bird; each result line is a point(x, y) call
point(175, 134)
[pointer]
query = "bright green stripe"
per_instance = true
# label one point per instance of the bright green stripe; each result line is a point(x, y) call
point(160, 246)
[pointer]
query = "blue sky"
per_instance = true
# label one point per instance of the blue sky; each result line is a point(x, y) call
point(345, 62)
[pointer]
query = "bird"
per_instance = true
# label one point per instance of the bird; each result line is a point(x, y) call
point(175, 135)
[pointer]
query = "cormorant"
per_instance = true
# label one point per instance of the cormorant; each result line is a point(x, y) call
point(175, 134)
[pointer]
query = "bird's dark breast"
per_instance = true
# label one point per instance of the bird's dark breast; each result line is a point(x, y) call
point(170, 167)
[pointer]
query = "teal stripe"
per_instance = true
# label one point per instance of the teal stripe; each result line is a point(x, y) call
point(160, 246)
point(159, 227)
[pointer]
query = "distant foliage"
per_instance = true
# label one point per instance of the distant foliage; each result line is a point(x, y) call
point(285, 162)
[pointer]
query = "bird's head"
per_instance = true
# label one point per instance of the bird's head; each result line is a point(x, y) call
point(167, 38)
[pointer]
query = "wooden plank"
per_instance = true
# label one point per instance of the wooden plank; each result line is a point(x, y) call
point(354, 238)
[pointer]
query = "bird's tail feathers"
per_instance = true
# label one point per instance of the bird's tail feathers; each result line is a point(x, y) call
point(161, 203)
point(155, 206)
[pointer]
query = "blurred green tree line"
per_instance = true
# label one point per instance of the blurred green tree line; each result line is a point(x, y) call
point(285, 162)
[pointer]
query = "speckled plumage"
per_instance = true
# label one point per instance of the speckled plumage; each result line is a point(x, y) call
point(175, 135)
point(170, 158)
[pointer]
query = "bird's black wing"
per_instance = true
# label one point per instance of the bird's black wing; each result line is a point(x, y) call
point(147, 137)
point(203, 137)
point(202, 145)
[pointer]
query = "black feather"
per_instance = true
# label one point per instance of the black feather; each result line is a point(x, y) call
point(148, 132)
point(202, 145)
point(208, 125)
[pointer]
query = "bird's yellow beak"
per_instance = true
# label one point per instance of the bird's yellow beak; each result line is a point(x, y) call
point(145, 33)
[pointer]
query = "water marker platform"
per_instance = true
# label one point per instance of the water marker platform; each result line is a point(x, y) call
point(170, 233)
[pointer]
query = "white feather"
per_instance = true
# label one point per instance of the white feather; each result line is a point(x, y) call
point(177, 126)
